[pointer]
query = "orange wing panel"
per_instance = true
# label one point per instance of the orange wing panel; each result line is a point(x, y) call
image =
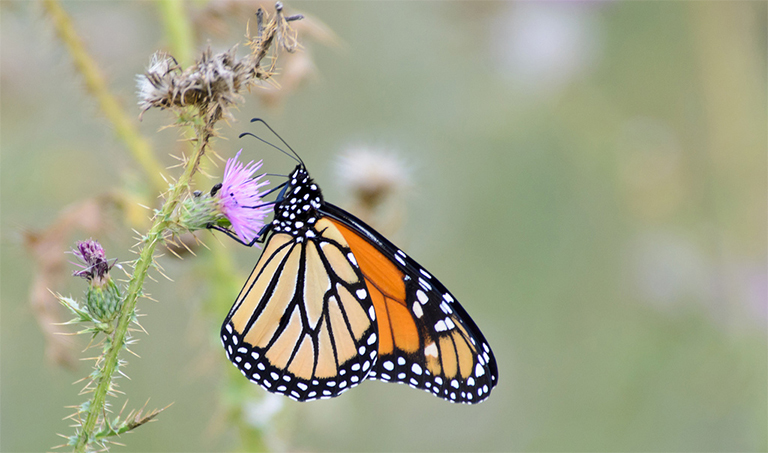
point(403, 326)
point(387, 288)
point(377, 268)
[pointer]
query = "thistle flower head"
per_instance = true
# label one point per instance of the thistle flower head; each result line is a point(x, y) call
point(240, 198)
point(95, 267)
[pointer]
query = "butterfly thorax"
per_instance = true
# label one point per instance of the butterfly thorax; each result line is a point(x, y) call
point(296, 212)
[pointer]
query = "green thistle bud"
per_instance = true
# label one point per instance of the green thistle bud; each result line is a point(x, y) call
point(196, 213)
point(103, 302)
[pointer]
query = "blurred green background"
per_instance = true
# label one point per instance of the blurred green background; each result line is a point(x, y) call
point(589, 179)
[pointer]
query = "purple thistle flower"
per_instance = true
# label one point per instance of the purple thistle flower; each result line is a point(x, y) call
point(240, 198)
point(96, 267)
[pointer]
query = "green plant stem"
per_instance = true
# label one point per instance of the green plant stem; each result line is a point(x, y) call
point(125, 128)
point(135, 285)
point(178, 30)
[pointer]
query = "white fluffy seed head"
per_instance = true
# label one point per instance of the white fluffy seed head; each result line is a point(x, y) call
point(372, 174)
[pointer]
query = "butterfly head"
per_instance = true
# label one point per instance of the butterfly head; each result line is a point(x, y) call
point(296, 210)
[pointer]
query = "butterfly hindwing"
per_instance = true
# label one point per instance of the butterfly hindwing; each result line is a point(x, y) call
point(426, 339)
point(303, 324)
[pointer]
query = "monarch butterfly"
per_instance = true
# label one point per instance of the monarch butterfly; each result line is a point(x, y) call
point(331, 302)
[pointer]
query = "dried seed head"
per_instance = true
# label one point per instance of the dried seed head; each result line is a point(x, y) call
point(214, 83)
point(157, 87)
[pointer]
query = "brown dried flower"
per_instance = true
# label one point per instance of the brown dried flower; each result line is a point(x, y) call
point(295, 68)
point(214, 83)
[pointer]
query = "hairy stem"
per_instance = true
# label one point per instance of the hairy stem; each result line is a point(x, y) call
point(135, 285)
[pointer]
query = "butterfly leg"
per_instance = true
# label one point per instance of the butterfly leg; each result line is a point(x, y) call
point(258, 239)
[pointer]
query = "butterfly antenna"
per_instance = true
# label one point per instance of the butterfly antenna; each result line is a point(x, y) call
point(272, 145)
point(279, 138)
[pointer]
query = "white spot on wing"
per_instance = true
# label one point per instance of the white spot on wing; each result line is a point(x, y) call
point(417, 310)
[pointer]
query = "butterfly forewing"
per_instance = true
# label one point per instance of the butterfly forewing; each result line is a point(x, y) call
point(303, 324)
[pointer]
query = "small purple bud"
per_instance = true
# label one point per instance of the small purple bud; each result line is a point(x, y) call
point(96, 268)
